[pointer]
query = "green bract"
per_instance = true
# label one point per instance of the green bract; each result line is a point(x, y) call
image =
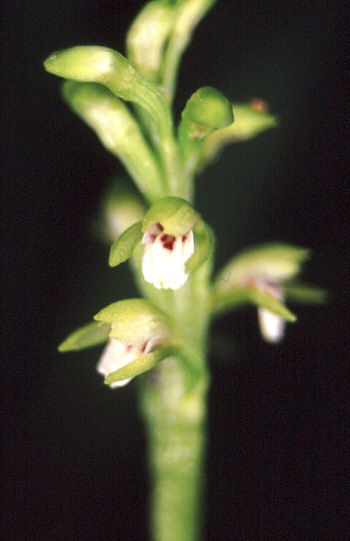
point(88, 336)
point(134, 321)
point(175, 215)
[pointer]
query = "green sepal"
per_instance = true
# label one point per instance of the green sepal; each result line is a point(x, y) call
point(305, 293)
point(203, 243)
point(140, 365)
point(173, 213)
point(147, 39)
point(207, 108)
point(249, 122)
point(135, 321)
point(273, 262)
point(88, 336)
point(234, 298)
point(123, 248)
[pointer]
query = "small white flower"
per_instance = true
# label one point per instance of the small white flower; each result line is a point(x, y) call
point(117, 354)
point(272, 327)
point(164, 257)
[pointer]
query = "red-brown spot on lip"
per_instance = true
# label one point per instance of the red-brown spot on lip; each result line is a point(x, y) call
point(168, 241)
point(160, 227)
point(169, 245)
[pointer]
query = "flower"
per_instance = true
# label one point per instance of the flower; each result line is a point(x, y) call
point(264, 275)
point(117, 354)
point(164, 257)
point(176, 242)
point(140, 337)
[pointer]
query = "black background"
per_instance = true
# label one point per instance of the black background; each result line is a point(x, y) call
point(75, 465)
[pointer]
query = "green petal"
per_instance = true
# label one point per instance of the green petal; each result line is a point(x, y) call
point(173, 213)
point(139, 365)
point(123, 248)
point(203, 247)
point(85, 337)
point(134, 321)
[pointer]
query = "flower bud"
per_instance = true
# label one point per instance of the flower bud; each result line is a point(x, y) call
point(147, 39)
point(208, 108)
point(94, 64)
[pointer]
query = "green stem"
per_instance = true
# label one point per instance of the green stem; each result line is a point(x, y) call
point(175, 420)
point(173, 403)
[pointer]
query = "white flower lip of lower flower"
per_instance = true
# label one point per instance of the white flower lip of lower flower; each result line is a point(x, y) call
point(117, 354)
point(164, 257)
point(272, 327)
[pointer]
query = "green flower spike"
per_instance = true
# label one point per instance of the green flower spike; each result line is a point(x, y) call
point(176, 242)
point(140, 337)
point(259, 276)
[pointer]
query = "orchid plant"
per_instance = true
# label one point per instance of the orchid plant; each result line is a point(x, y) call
point(163, 334)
